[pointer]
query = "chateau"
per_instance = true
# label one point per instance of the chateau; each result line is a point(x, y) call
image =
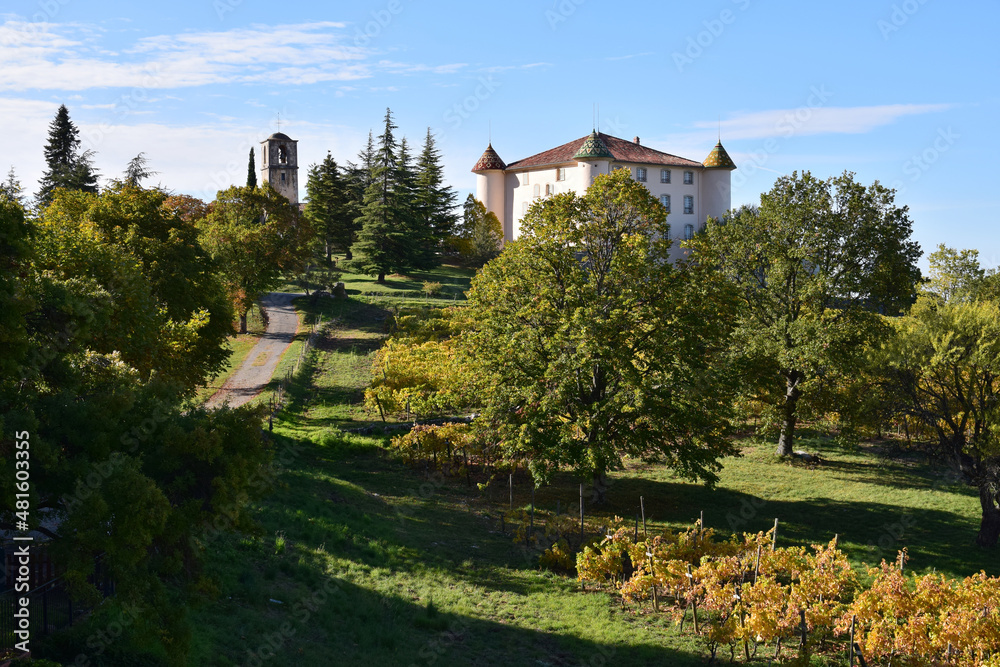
point(690, 191)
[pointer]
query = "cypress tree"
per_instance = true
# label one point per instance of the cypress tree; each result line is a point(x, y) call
point(66, 166)
point(251, 171)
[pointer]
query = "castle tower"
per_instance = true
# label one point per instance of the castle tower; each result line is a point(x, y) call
point(716, 183)
point(593, 158)
point(280, 165)
point(490, 190)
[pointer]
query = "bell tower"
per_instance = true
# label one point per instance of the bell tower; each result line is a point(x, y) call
point(280, 165)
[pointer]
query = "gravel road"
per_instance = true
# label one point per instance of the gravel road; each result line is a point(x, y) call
point(251, 378)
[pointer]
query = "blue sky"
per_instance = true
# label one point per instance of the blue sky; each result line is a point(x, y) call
point(905, 92)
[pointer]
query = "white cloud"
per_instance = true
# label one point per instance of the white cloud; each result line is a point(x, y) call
point(42, 56)
point(805, 120)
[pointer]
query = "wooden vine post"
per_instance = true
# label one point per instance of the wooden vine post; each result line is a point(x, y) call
point(694, 602)
point(774, 537)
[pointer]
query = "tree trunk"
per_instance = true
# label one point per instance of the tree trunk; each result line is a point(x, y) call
point(381, 279)
point(989, 528)
point(243, 322)
point(348, 255)
point(792, 393)
point(329, 250)
point(599, 495)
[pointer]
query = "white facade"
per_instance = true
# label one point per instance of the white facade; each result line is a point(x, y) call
point(693, 191)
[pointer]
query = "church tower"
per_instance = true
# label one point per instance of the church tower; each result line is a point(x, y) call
point(280, 165)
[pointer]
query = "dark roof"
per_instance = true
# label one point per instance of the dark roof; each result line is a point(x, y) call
point(280, 136)
point(621, 149)
point(593, 149)
point(489, 160)
point(719, 159)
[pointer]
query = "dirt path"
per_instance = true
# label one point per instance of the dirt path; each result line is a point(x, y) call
point(251, 378)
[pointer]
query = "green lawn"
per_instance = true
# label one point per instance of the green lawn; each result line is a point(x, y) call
point(362, 560)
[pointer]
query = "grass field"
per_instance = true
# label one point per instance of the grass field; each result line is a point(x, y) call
point(362, 560)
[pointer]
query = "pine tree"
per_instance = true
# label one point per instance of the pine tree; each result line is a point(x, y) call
point(381, 240)
point(435, 201)
point(251, 171)
point(12, 188)
point(67, 167)
point(330, 209)
point(136, 171)
point(420, 246)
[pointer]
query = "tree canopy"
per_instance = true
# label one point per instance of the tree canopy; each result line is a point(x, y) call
point(943, 368)
point(814, 265)
point(124, 317)
point(254, 235)
point(66, 166)
point(330, 209)
point(594, 346)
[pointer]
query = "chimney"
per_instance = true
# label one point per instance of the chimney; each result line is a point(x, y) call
point(636, 140)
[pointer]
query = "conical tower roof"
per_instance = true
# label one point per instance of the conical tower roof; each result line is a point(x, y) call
point(593, 147)
point(489, 161)
point(719, 159)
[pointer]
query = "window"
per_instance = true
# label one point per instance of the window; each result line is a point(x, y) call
point(664, 176)
point(640, 174)
point(561, 174)
point(548, 189)
point(524, 208)
point(282, 155)
point(665, 200)
point(688, 204)
point(688, 178)
point(538, 190)
point(688, 232)
point(282, 177)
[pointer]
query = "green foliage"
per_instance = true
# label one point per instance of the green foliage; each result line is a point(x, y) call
point(14, 298)
point(331, 210)
point(161, 305)
point(418, 372)
point(814, 266)
point(480, 237)
point(251, 171)
point(943, 368)
point(405, 209)
point(434, 201)
point(591, 345)
point(137, 171)
point(254, 235)
point(432, 288)
point(66, 167)
point(381, 241)
point(955, 275)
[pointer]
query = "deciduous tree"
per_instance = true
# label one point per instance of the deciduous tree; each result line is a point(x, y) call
point(254, 234)
point(594, 346)
point(814, 265)
point(943, 368)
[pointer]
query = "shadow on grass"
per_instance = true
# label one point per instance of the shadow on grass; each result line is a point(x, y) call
point(380, 522)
